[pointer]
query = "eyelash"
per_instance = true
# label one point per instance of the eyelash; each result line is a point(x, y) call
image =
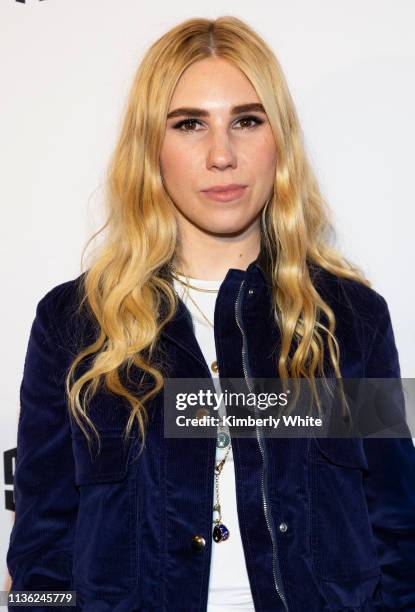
point(188, 120)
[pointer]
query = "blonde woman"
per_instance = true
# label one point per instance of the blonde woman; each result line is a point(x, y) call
point(216, 263)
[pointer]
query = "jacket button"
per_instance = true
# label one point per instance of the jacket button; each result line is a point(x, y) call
point(283, 527)
point(214, 366)
point(201, 412)
point(198, 542)
point(251, 291)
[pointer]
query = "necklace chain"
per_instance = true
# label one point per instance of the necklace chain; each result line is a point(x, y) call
point(186, 292)
point(187, 284)
point(220, 533)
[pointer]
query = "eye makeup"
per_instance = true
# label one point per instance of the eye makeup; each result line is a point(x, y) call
point(191, 120)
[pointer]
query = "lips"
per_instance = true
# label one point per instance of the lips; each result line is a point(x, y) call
point(224, 188)
point(225, 193)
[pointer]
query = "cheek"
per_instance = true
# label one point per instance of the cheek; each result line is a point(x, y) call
point(260, 162)
point(177, 162)
point(265, 154)
point(260, 153)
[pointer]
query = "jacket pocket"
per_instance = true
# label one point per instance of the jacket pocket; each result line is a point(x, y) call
point(341, 539)
point(110, 465)
point(106, 539)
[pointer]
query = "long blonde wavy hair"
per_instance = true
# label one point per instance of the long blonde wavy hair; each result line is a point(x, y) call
point(123, 287)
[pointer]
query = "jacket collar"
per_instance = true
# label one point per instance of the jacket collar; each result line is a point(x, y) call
point(264, 264)
point(180, 329)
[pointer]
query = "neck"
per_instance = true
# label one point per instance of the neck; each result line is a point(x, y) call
point(209, 257)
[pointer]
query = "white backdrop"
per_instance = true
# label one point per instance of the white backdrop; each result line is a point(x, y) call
point(65, 72)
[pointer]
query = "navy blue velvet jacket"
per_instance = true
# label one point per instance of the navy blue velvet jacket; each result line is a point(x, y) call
point(121, 532)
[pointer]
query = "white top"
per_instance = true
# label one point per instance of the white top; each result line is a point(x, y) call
point(229, 588)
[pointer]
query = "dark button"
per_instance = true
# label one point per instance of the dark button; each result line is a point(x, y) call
point(198, 543)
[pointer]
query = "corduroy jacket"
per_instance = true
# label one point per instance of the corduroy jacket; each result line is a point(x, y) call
point(326, 524)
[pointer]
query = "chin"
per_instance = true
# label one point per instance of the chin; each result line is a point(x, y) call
point(220, 228)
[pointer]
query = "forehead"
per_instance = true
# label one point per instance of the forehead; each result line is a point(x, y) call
point(213, 83)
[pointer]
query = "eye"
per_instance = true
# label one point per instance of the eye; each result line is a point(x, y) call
point(185, 122)
point(189, 121)
point(256, 121)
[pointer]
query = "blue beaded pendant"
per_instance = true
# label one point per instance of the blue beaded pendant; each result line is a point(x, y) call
point(220, 533)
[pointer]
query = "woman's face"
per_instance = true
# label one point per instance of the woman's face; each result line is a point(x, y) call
point(213, 144)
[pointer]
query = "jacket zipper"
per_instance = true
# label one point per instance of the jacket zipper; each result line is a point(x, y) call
point(275, 563)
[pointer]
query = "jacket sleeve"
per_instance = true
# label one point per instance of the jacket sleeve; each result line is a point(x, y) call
point(39, 555)
point(390, 484)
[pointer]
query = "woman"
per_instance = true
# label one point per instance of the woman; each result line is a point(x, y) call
point(216, 263)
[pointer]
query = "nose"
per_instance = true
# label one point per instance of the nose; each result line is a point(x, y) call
point(220, 152)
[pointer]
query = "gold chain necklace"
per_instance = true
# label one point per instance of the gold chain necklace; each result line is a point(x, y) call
point(220, 531)
point(199, 309)
point(188, 285)
point(191, 286)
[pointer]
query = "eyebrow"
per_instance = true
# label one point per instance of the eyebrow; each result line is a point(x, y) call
point(200, 112)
